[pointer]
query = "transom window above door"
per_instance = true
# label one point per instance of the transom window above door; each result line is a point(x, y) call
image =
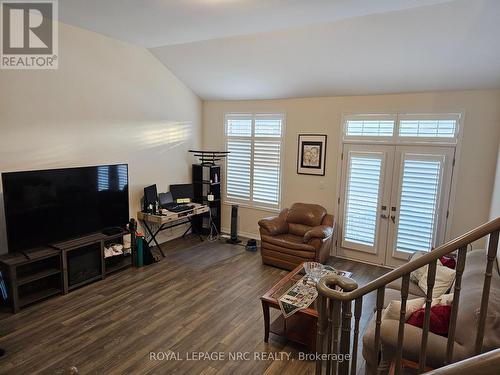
point(402, 128)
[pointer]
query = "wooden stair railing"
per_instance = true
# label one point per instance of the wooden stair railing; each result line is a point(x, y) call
point(335, 306)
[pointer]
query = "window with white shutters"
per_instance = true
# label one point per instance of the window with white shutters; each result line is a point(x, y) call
point(362, 199)
point(254, 162)
point(369, 126)
point(418, 204)
point(373, 128)
point(402, 127)
point(440, 127)
point(427, 128)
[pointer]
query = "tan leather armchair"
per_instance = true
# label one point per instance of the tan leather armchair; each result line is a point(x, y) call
point(304, 232)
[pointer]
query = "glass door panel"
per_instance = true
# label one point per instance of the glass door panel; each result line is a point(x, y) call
point(419, 200)
point(364, 201)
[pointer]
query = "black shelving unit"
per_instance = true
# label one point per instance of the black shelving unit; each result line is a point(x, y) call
point(207, 180)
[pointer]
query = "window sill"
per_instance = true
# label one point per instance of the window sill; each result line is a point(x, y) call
point(252, 207)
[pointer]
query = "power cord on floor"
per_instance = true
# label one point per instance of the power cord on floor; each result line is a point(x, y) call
point(214, 233)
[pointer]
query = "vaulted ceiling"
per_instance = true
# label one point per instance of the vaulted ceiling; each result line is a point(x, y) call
point(263, 49)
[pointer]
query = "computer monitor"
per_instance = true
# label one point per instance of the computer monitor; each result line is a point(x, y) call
point(182, 193)
point(166, 199)
point(150, 195)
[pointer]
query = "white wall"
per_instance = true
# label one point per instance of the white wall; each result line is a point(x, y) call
point(112, 102)
point(476, 170)
point(109, 102)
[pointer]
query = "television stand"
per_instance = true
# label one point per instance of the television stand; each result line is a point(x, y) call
point(40, 273)
point(25, 254)
point(112, 231)
point(83, 260)
point(32, 278)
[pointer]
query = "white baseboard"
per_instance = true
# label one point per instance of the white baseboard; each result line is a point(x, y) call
point(363, 261)
point(242, 234)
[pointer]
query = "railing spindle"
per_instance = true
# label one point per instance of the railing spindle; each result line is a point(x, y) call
point(378, 320)
point(462, 254)
point(336, 328)
point(431, 279)
point(492, 252)
point(345, 338)
point(329, 339)
point(402, 314)
point(322, 321)
point(334, 344)
point(358, 307)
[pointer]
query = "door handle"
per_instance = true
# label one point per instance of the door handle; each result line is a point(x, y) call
point(393, 218)
point(384, 216)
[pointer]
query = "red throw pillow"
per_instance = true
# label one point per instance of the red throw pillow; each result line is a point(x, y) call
point(448, 262)
point(439, 321)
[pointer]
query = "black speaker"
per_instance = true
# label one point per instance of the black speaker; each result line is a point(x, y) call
point(234, 225)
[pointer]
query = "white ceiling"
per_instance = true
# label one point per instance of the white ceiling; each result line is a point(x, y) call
point(263, 49)
point(154, 23)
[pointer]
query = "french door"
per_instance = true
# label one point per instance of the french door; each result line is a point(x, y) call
point(394, 201)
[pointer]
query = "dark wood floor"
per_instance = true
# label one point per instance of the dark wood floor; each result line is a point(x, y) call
point(204, 297)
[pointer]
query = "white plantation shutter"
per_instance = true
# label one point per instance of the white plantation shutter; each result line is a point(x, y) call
point(254, 161)
point(268, 126)
point(266, 172)
point(370, 128)
point(419, 199)
point(402, 127)
point(428, 128)
point(365, 126)
point(239, 125)
point(238, 168)
point(438, 127)
point(362, 199)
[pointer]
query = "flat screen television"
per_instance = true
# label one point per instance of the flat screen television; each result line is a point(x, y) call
point(48, 206)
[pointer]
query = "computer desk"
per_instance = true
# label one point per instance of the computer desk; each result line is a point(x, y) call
point(169, 220)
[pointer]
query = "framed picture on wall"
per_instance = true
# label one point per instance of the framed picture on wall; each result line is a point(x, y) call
point(311, 155)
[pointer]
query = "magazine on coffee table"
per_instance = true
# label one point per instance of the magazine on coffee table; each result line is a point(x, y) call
point(303, 293)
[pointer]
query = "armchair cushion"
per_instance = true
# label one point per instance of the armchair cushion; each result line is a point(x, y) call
point(321, 231)
point(298, 229)
point(307, 214)
point(275, 225)
point(288, 241)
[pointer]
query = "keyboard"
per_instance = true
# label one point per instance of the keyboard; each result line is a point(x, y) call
point(179, 208)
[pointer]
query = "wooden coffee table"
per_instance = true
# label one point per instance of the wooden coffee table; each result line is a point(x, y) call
point(300, 327)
